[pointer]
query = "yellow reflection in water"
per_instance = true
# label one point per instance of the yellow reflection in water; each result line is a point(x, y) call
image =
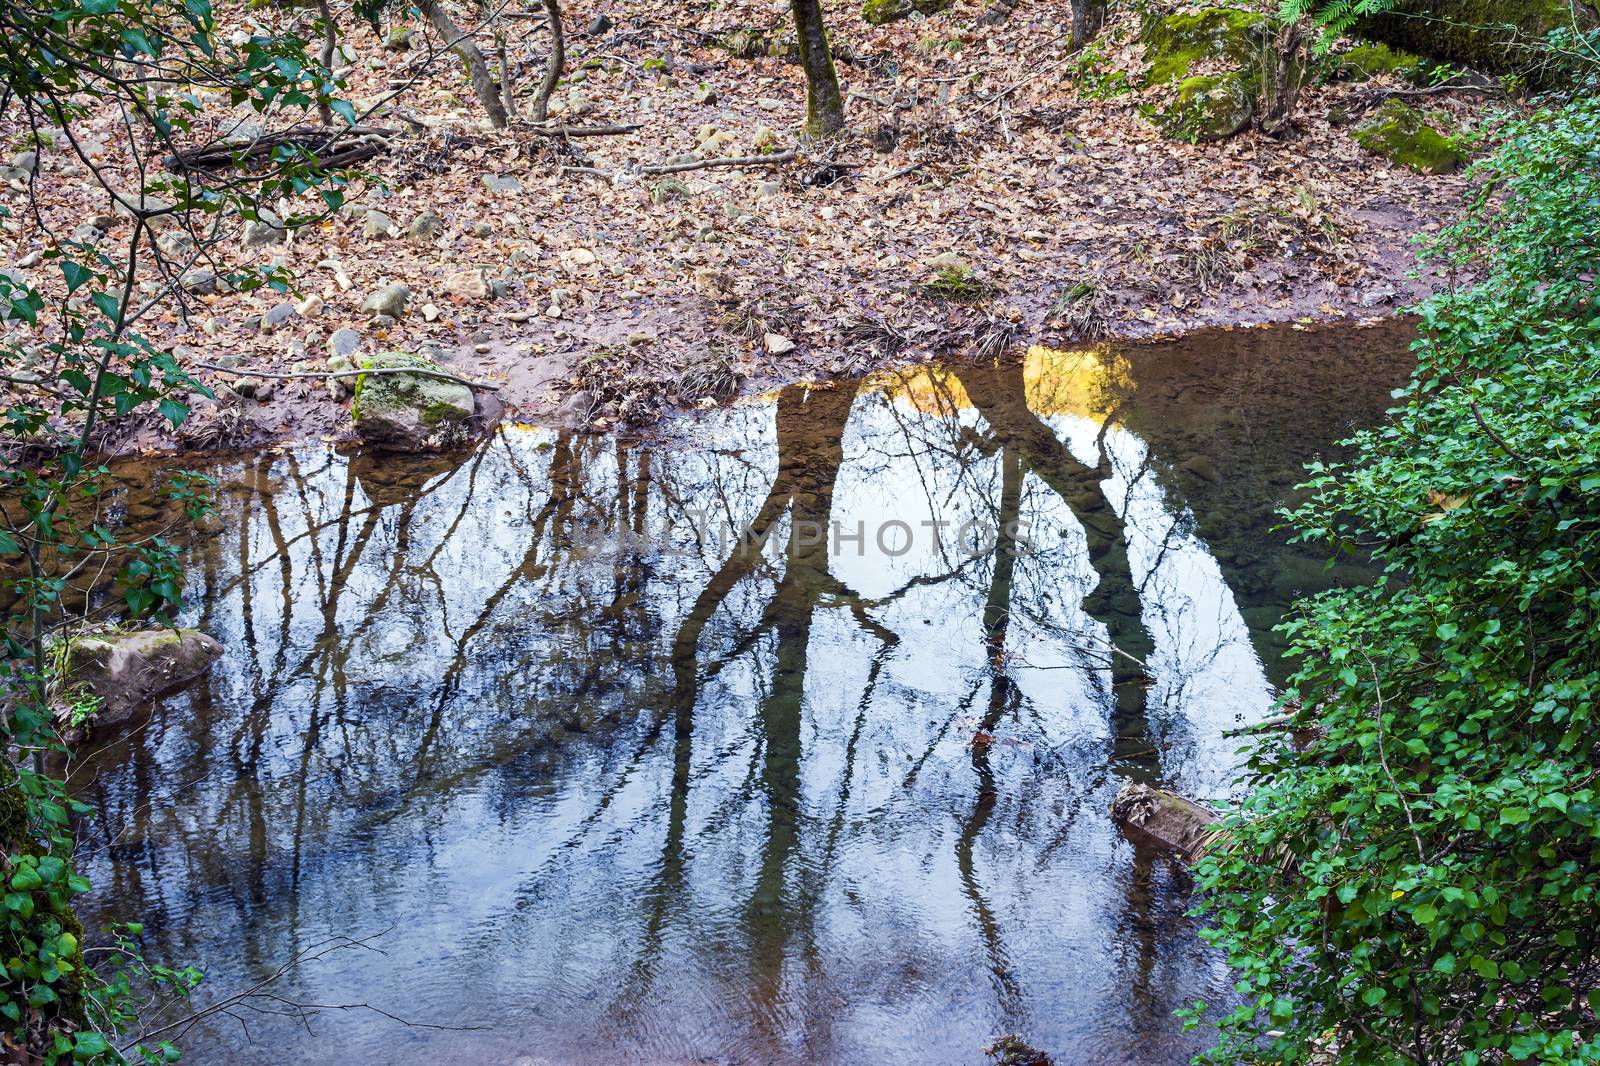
point(1074, 381)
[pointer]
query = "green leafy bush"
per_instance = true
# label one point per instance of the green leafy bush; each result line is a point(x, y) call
point(1419, 885)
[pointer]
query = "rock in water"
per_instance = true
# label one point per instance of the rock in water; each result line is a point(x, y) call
point(409, 412)
point(1164, 820)
point(124, 670)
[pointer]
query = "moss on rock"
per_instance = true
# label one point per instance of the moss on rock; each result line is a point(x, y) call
point(1367, 61)
point(1173, 45)
point(1490, 35)
point(1400, 134)
point(879, 12)
point(408, 412)
point(1209, 107)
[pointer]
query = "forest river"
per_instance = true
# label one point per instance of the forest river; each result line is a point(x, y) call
point(784, 736)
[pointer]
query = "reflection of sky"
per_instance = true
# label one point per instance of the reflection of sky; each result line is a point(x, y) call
point(440, 716)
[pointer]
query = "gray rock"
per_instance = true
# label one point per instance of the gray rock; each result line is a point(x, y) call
point(277, 315)
point(409, 412)
point(668, 189)
point(87, 233)
point(125, 670)
point(600, 24)
point(502, 184)
point(425, 226)
point(343, 343)
point(175, 244)
point(378, 226)
point(27, 162)
point(266, 232)
point(481, 229)
point(768, 189)
point(201, 281)
point(390, 300)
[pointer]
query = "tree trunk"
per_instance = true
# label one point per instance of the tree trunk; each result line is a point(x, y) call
point(1284, 74)
point(508, 91)
point(824, 107)
point(330, 43)
point(462, 44)
point(1088, 16)
point(558, 61)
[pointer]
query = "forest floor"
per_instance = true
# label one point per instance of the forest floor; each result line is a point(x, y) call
point(615, 294)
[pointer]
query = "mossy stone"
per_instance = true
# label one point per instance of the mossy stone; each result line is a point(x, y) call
point(879, 12)
point(1400, 134)
point(408, 412)
point(1488, 35)
point(1367, 61)
point(1173, 45)
point(1209, 107)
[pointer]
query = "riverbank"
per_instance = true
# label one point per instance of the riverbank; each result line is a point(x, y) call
point(593, 293)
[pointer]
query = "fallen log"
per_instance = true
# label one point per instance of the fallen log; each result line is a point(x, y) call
point(333, 146)
point(1152, 817)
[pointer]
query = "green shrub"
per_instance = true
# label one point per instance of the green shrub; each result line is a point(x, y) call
point(1420, 883)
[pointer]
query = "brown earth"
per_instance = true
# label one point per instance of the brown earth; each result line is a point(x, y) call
point(1000, 151)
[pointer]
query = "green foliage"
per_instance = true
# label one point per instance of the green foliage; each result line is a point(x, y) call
point(89, 367)
point(1420, 884)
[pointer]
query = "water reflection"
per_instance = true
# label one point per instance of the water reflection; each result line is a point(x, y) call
point(666, 754)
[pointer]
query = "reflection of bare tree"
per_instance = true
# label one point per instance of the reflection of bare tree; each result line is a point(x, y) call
point(998, 393)
point(1004, 699)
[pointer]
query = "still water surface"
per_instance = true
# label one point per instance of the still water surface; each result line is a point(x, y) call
point(788, 738)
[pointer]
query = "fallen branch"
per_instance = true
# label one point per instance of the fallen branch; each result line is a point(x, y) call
point(772, 160)
point(583, 131)
point(325, 374)
point(367, 142)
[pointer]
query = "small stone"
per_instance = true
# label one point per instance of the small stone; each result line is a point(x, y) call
point(310, 307)
point(389, 300)
point(266, 232)
point(778, 344)
point(27, 162)
point(399, 38)
point(667, 190)
point(480, 229)
point(577, 259)
point(638, 340)
point(681, 158)
point(378, 226)
point(579, 105)
point(199, 282)
point(175, 244)
point(430, 313)
point(425, 226)
point(705, 95)
point(768, 189)
point(469, 284)
point(481, 349)
point(949, 261)
point(765, 137)
point(265, 391)
point(343, 343)
point(383, 321)
point(277, 315)
point(501, 184)
point(598, 25)
point(30, 260)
